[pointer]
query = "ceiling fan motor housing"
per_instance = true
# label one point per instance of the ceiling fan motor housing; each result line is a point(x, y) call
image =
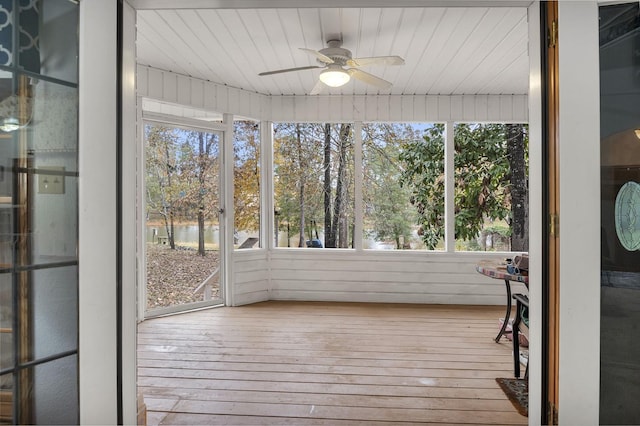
point(339, 55)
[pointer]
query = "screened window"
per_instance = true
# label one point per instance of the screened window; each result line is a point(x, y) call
point(314, 185)
point(491, 187)
point(246, 183)
point(403, 189)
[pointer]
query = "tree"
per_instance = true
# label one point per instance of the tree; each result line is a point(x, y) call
point(517, 144)
point(182, 184)
point(423, 175)
point(298, 174)
point(340, 221)
point(246, 194)
point(197, 175)
point(387, 206)
point(483, 179)
point(302, 178)
point(206, 190)
point(329, 234)
point(161, 168)
point(337, 233)
point(313, 162)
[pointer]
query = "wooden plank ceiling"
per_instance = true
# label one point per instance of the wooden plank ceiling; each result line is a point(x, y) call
point(448, 51)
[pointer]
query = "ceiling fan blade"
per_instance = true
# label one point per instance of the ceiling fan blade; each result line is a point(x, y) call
point(369, 78)
point(289, 70)
point(375, 60)
point(321, 57)
point(317, 89)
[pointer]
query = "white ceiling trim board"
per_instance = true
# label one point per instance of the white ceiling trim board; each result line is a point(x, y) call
point(267, 4)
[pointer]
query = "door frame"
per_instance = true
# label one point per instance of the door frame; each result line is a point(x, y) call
point(579, 362)
point(550, 213)
point(211, 127)
point(579, 207)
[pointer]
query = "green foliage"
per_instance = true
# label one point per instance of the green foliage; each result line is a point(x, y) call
point(482, 179)
point(182, 170)
point(388, 212)
point(299, 174)
point(423, 175)
point(161, 171)
point(246, 173)
point(497, 228)
point(199, 169)
point(298, 169)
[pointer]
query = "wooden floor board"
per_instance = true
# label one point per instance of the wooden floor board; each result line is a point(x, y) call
point(462, 361)
point(362, 369)
point(326, 363)
point(278, 397)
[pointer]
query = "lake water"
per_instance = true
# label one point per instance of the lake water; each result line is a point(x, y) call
point(184, 233)
point(189, 234)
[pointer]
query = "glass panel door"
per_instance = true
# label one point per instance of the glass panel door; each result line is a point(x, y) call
point(183, 231)
point(620, 213)
point(39, 212)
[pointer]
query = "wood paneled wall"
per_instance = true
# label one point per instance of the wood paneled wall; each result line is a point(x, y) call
point(251, 277)
point(365, 276)
point(174, 88)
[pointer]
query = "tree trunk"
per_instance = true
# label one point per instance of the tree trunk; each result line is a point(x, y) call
point(329, 231)
point(202, 157)
point(172, 241)
point(170, 234)
point(301, 241)
point(519, 193)
point(339, 214)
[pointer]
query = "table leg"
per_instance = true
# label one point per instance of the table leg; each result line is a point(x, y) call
point(516, 342)
point(507, 314)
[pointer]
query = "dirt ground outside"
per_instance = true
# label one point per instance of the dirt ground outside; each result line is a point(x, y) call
point(173, 275)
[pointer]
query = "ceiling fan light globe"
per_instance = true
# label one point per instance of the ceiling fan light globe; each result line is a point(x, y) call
point(334, 78)
point(9, 124)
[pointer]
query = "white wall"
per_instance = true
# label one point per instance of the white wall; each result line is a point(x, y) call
point(369, 276)
point(365, 276)
point(379, 276)
point(174, 88)
point(97, 206)
point(579, 231)
point(251, 276)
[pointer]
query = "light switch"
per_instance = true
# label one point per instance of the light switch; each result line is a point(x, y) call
point(50, 184)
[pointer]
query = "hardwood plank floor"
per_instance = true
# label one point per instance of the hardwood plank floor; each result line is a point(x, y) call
point(314, 363)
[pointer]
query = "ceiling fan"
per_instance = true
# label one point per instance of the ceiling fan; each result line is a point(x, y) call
point(335, 59)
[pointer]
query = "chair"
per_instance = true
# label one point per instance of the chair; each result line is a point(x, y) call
point(520, 325)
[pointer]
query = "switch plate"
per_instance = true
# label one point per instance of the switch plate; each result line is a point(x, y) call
point(50, 184)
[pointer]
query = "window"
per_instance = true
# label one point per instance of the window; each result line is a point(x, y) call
point(491, 187)
point(397, 158)
point(314, 185)
point(403, 186)
point(246, 182)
